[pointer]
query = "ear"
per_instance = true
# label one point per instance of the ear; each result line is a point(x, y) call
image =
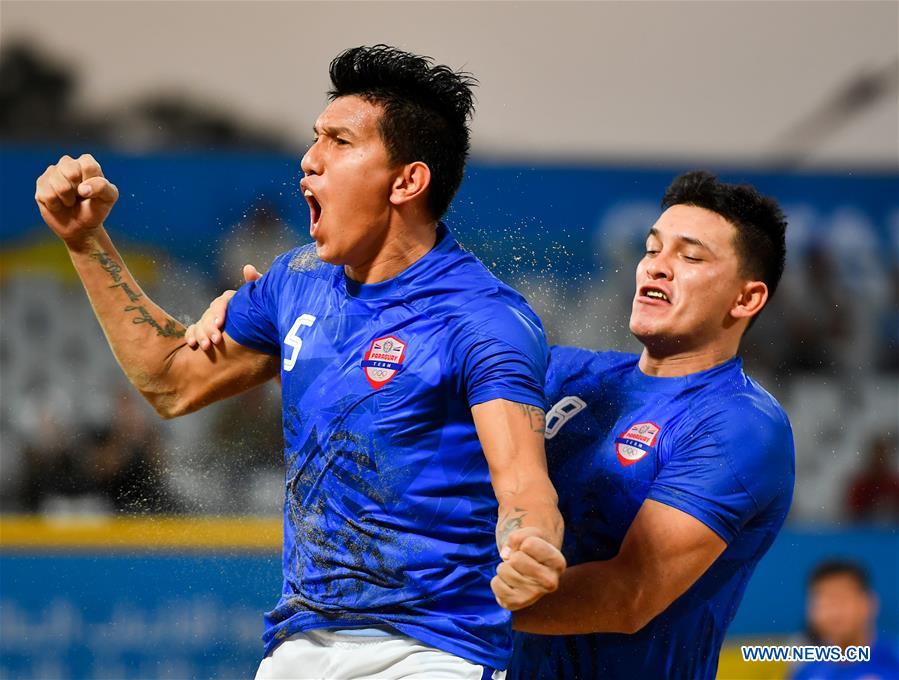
point(411, 183)
point(752, 298)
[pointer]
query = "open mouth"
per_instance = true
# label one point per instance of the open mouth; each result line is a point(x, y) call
point(315, 211)
point(654, 294)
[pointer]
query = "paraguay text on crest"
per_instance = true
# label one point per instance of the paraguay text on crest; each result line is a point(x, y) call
point(634, 443)
point(383, 360)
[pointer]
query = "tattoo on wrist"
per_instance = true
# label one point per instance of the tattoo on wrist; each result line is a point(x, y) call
point(114, 269)
point(536, 417)
point(509, 523)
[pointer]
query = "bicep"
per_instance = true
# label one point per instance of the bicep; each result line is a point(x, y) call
point(222, 371)
point(669, 550)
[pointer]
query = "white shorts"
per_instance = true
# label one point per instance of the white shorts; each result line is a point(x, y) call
point(328, 655)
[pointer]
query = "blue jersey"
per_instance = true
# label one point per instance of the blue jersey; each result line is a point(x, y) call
point(389, 514)
point(883, 665)
point(714, 445)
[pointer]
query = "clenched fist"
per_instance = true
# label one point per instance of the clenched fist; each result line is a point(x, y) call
point(74, 197)
point(531, 568)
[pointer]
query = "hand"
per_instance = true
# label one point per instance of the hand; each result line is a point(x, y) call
point(530, 569)
point(74, 197)
point(208, 330)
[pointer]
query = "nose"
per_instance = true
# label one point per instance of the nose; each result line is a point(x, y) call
point(312, 161)
point(659, 267)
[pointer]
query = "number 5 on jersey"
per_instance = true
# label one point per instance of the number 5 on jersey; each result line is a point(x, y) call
point(295, 342)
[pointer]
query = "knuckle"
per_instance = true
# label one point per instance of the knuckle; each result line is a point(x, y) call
point(531, 543)
point(549, 582)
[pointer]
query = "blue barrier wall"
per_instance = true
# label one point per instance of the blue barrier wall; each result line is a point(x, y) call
point(567, 220)
point(134, 616)
point(130, 615)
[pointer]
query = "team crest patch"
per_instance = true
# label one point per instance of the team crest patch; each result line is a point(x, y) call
point(637, 441)
point(383, 360)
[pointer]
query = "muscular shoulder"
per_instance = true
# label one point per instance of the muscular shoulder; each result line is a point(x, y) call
point(474, 305)
point(741, 414)
point(748, 431)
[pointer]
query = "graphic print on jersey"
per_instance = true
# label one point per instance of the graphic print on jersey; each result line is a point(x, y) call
point(383, 360)
point(637, 441)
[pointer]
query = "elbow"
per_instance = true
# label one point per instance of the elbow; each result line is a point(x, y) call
point(167, 409)
point(168, 413)
point(632, 622)
point(168, 405)
point(169, 398)
point(637, 615)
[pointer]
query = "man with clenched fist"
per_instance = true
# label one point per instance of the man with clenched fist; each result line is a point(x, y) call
point(412, 385)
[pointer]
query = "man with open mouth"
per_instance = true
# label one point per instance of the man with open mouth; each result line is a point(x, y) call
point(412, 384)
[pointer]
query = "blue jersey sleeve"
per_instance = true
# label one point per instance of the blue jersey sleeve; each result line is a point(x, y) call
point(252, 318)
point(729, 468)
point(505, 358)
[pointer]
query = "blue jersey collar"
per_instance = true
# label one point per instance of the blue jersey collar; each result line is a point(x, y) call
point(676, 384)
point(373, 291)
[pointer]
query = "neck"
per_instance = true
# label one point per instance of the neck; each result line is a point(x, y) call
point(402, 247)
point(672, 365)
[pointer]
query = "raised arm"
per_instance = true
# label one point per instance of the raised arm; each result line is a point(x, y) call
point(664, 552)
point(511, 435)
point(74, 199)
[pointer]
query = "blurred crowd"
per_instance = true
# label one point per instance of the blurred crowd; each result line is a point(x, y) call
point(77, 439)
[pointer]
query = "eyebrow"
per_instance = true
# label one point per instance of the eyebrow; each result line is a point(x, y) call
point(686, 239)
point(332, 131)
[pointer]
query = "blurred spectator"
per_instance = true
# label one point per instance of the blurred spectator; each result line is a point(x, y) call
point(258, 239)
point(124, 466)
point(110, 468)
point(889, 347)
point(873, 494)
point(842, 610)
point(250, 440)
point(819, 323)
point(50, 463)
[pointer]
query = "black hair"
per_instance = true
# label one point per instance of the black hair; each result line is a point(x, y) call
point(841, 567)
point(426, 110)
point(759, 221)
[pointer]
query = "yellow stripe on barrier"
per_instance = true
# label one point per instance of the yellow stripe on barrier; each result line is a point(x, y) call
point(215, 534)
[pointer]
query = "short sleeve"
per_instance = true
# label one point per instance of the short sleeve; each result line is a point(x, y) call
point(252, 317)
point(508, 362)
point(728, 468)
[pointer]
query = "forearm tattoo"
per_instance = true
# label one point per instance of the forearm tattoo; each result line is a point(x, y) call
point(114, 269)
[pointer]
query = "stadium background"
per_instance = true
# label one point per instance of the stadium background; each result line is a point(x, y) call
point(132, 547)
